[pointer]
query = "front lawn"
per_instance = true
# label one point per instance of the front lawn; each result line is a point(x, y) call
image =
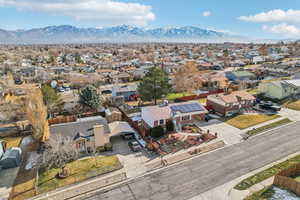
point(246, 121)
point(269, 126)
point(265, 174)
point(173, 96)
point(293, 105)
point(12, 141)
point(80, 170)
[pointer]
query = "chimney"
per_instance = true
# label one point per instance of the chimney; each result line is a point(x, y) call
point(100, 137)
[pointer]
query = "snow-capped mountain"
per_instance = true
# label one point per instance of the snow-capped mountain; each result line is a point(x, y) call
point(124, 33)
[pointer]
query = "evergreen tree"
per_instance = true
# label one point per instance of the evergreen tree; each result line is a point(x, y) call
point(154, 85)
point(89, 97)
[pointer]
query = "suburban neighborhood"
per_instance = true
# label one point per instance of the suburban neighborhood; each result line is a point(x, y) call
point(79, 118)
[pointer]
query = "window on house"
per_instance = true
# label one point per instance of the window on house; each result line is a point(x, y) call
point(161, 121)
point(185, 118)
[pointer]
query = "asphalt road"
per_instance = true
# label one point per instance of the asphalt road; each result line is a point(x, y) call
point(196, 176)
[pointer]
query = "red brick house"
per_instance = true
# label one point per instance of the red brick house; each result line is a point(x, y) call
point(230, 103)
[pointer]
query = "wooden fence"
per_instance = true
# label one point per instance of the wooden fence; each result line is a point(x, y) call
point(200, 96)
point(132, 123)
point(284, 179)
point(62, 119)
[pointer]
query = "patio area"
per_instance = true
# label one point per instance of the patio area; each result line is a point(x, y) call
point(190, 135)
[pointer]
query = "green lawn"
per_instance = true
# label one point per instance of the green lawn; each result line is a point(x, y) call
point(293, 105)
point(202, 101)
point(80, 170)
point(269, 126)
point(265, 174)
point(246, 121)
point(173, 96)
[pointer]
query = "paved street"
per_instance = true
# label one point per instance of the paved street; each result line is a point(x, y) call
point(196, 176)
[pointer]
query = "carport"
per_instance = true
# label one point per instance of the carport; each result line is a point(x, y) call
point(118, 127)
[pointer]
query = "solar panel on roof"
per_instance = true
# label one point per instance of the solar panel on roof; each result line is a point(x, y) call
point(185, 108)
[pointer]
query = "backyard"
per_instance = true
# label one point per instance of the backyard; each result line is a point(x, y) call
point(246, 121)
point(80, 170)
point(12, 141)
point(173, 96)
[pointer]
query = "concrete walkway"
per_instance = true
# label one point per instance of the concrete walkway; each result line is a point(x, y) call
point(7, 178)
point(226, 132)
point(289, 113)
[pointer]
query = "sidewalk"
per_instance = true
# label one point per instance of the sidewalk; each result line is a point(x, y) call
point(227, 191)
point(184, 155)
point(84, 187)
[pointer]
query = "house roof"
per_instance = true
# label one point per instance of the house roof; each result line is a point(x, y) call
point(295, 83)
point(83, 127)
point(234, 96)
point(165, 112)
point(119, 127)
point(125, 88)
point(242, 73)
point(13, 153)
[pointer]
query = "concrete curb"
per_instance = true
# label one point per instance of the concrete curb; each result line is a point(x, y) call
point(234, 194)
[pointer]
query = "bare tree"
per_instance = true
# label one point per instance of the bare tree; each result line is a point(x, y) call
point(58, 152)
point(186, 78)
point(36, 113)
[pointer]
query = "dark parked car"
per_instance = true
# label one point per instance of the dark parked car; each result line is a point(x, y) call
point(134, 146)
point(128, 136)
point(269, 106)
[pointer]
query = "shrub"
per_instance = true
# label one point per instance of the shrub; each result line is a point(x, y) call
point(108, 147)
point(170, 126)
point(157, 132)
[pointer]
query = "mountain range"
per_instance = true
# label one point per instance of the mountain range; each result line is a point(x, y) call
point(116, 34)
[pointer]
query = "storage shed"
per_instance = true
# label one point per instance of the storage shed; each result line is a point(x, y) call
point(11, 158)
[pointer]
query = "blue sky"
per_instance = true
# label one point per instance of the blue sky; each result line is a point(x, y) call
point(266, 19)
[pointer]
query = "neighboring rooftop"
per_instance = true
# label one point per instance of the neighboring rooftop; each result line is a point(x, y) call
point(234, 97)
point(83, 127)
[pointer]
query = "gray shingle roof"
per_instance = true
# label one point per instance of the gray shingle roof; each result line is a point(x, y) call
point(84, 126)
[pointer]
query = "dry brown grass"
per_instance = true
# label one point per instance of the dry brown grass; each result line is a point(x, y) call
point(246, 121)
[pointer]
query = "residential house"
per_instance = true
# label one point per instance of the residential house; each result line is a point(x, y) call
point(214, 80)
point(180, 113)
point(229, 103)
point(127, 91)
point(280, 89)
point(89, 133)
point(122, 77)
point(240, 75)
point(258, 59)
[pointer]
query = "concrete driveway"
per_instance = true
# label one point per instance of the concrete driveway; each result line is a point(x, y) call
point(289, 113)
point(7, 178)
point(229, 134)
point(133, 162)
